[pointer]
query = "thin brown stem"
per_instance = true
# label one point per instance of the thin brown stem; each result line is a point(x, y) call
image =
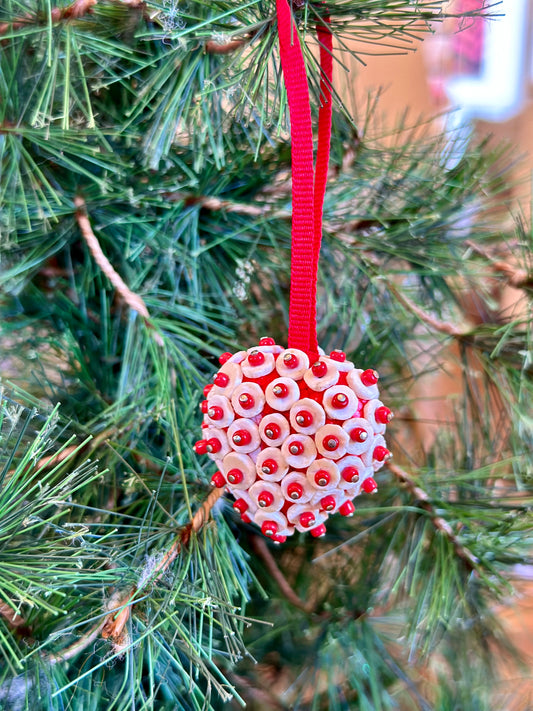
point(519, 278)
point(432, 321)
point(423, 501)
point(261, 548)
point(133, 300)
point(78, 8)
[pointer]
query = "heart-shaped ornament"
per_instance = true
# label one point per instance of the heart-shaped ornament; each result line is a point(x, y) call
point(293, 441)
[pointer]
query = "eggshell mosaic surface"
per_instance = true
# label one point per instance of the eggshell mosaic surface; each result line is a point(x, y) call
point(294, 441)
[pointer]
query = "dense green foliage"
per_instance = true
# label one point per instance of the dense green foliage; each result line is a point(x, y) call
point(166, 124)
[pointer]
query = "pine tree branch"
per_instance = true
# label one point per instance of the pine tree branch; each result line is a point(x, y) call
point(133, 300)
point(424, 502)
point(12, 618)
point(261, 548)
point(519, 278)
point(78, 8)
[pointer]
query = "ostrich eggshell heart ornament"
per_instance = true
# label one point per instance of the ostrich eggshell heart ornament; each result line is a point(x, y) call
point(293, 441)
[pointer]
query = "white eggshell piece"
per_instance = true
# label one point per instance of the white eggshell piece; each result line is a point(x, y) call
point(261, 516)
point(275, 454)
point(228, 415)
point(314, 409)
point(294, 373)
point(235, 460)
point(255, 392)
point(237, 357)
point(234, 375)
point(274, 419)
point(340, 413)
point(216, 433)
point(327, 465)
point(368, 457)
point(274, 349)
point(275, 489)
point(296, 478)
point(354, 446)
point(329, 378)
point(282, 403)
point(244, 425)
point(364, 392)
point(252, 506)
point(369, 411)
point(260, 370)
point(296, 510)
point(253, 455)
point(343, 366)
point(350, 460)
point(331, 431)
point(299, 461)
point(339, 495)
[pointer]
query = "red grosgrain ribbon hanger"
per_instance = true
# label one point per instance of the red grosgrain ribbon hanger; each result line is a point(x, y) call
point(308, 186)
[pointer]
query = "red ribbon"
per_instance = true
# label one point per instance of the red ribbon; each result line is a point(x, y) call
point(308, 186)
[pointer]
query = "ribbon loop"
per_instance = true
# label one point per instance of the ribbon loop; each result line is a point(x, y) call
point(308, 185)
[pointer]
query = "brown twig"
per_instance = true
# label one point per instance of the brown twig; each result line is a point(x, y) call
point(440, 524)
point(519, 278)
point(261, 548)
point(432, 321)
point(77, 9)
point(12, 618)
point(113, 626)
point(133, 300)
point(214, 47)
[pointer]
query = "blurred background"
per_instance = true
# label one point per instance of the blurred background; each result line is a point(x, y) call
point(475, 77)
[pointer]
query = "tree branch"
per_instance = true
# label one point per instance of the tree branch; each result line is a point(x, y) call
point(519, 278)
point(133, 300)
point(440, 524)
point(261, 548)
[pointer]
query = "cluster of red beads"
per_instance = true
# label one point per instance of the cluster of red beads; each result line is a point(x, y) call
point(294, 442)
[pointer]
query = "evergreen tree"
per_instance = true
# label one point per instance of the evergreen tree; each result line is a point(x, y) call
point(145, 228)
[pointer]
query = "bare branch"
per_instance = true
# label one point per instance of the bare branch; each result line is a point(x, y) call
point(423, 500)
point(519, 278)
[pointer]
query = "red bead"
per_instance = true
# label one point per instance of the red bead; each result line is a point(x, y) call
point(204, 406)
point(241, 506)
point(215, 412)
point(245, 518)
point(272, 431)
point(328, 503)
point(265, 498)
point(221, 379)
point(331, 443)
point(319, 369)
point(200, 447)
point(280, 390)
point(270, 466)
point(218, 480)
point(269, 528)
point(307, 519)
point(339, 356)
point(369, 377)
point(207, 389)
point(381, 453)
point(358, 434)
point(318, 531)
point(235, 476)
point(224, 357)
point(369, 486)
point(296, 448)
point(322, 477)
point(241, 437)
point(295, 491)
point(256, 358)
point(304, 418)
point(246, 401)
point(339, 401)
point(267, 341)
point(350, 474)
point(213, 445)
point(383, 415)
point(278, 538)
point(347, 509)
point(290, 360)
